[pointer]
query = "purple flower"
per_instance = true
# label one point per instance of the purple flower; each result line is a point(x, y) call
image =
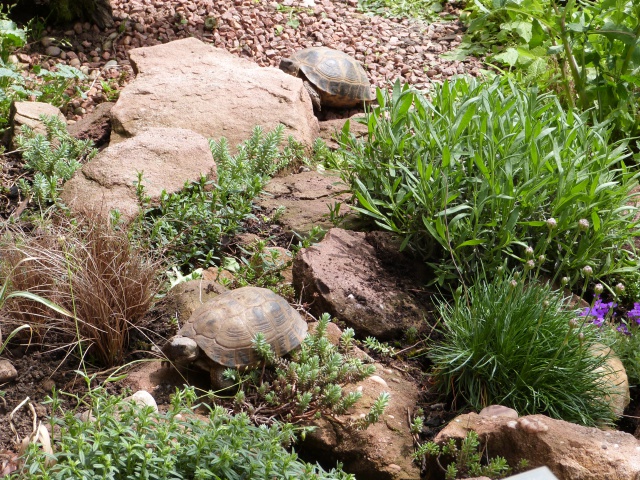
point(623, 329)
point(599, 311)
point(634, 313)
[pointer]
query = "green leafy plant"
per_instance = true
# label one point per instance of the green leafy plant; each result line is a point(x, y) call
point(467, 460)
point(11, 36)
point(512, 342)
point(310, 384)
point(587, 51)
point(422, 9)
point(189, 225)
point(53, 158)
point(127, 441)
point(377, 346)
point(102, 284)
point(53, 86)
point(472, 177)
point(260, 266)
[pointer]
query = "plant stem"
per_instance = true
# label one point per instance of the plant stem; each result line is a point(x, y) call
point(573, 66)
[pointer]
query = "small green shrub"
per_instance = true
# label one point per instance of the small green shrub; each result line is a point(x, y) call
point(52, 158)
point(511, 342)
point(308, 385)
point(480, 172)
point(466, 461)
point(190, 224)
point(126, 441)
point(260, 266)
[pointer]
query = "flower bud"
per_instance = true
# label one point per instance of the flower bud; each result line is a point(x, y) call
point(545, 303)
point(598, 289)
point(528, 251)
point(564, 281)
point(573, 323)
point(541, 259)
point(513, 283)
point(583, 224)
point(551, 223)
point(619, 288)
point(587, 270)
point(530, 265)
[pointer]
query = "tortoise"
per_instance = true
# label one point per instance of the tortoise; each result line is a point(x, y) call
point(332, 78)
point(219, 333)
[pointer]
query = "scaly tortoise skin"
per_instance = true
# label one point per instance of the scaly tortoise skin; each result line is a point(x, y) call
point(219, 334)
point(332, 78)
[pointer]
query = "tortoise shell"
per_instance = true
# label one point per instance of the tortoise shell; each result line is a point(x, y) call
point(339, 78)
point(225, 326)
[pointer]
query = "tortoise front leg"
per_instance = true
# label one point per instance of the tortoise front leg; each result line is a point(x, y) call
point(313, 93)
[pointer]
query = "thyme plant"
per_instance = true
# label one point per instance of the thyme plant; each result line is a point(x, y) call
point(310, 384)
point(126, 441)
point(53, 158)
point(189, 225)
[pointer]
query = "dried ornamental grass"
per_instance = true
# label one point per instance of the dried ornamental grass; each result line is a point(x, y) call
point(90, 270)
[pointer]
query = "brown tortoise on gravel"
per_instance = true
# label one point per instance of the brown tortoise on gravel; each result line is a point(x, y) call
point(332, 78)
point(219, 334)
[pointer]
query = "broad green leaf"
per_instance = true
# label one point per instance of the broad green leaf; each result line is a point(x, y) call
point(508, 57)
point(522, 27)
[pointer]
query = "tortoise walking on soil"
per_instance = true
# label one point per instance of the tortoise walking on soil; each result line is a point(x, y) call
point(219, 334)
point(332, 78)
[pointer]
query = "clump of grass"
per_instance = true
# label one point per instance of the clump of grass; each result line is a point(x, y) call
point(513, 343)
point(89, 269)
point(126, 441)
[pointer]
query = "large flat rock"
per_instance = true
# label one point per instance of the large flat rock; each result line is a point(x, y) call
point(344, 276)
point(190, 84)
point(167, 158)
point(570, 451)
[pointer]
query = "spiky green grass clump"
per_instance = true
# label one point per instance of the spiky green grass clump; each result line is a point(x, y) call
point(514, 343)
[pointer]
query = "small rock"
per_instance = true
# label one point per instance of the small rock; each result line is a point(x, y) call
point(53, 51)
point(7, 371)
point(47, 41)
point(498, 411)
point(143, 399)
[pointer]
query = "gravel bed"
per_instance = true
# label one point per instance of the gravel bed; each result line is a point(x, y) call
point(262, 31)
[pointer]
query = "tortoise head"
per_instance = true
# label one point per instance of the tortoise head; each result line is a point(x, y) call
point(290, 66)
point(181, 350)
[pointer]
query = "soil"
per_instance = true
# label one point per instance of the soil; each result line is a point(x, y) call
point(394, 54)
